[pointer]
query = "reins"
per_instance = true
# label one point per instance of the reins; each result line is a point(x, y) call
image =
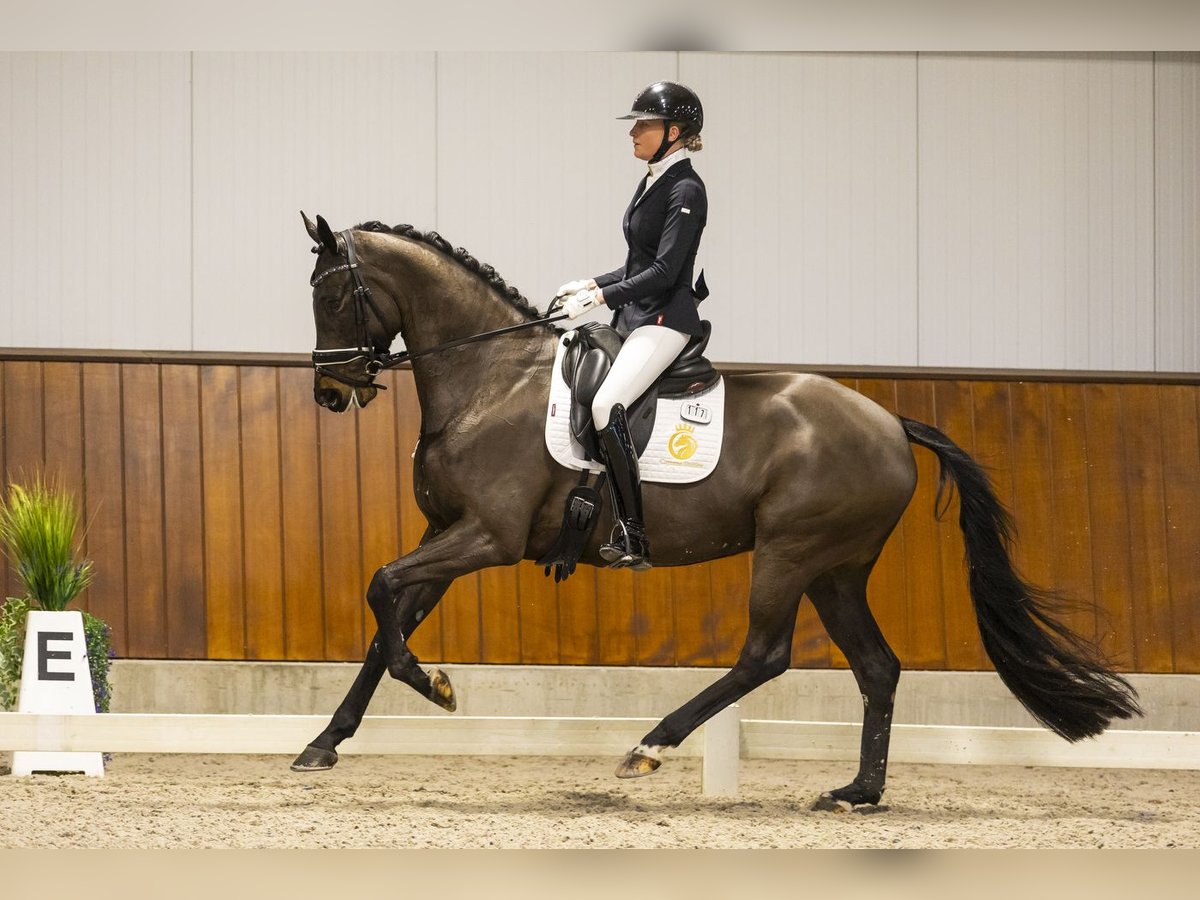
point(378, 360)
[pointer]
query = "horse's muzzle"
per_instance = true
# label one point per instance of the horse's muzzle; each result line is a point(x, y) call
point(331, 398)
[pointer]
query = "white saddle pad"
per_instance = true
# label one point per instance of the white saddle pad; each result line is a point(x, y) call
point(684, 447)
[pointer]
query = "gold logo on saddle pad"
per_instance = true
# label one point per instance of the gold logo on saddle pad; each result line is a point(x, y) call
point(682, 444)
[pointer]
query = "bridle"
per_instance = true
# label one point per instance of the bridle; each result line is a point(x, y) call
point(379, 359)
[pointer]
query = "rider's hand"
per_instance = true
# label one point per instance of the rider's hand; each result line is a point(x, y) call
point(574, 287)
point(580, 302)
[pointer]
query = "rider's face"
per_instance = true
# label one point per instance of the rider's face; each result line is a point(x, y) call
point(647, 135)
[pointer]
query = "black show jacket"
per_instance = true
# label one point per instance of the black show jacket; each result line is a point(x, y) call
point(663, 231)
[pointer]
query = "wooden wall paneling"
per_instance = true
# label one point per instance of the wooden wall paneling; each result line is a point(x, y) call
point(888, 587)
point(578, 623)
point(539, 615)
point(341, 536)
point(691, 596)
point(141, 409)
point(1181, 483)
point(23, 430)
point(223, 564)
point(993, 451)
point(262, 538)
point(1070, 505)
point(1150, 597)
point(63, 413)
point(4, 592)
point(63, 416)
point(425, 641)
point(378, 470)
point(656, 612)
point(1107, 485)
point(461, 620)
point(617, 619)
point(500, 616)
point(925, 642)
point(1035, 546)
point(729, 584)
point(183, 514)
point(964, 650)
point(104, 500)
point(300, 480)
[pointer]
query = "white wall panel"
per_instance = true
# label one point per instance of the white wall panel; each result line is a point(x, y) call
point(534, 173)
point(95, 234)
point(1177, 180)
point(810, 162)
point(1037, 211)
point(948, 209)
point(348, 135)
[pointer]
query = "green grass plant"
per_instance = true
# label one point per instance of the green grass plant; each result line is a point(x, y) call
point(37, 527)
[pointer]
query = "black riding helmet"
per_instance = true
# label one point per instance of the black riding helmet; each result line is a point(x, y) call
point(670, 102)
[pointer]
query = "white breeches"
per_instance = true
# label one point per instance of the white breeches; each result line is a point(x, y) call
point(644, 356)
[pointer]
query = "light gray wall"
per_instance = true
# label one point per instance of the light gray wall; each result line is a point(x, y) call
point(1013, 210)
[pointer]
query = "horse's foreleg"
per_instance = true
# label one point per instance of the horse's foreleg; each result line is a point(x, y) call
point(398, 618)
point(776, 589)
point(410, 611)
point(321, 754)
point(841, 602)
point(404, 592)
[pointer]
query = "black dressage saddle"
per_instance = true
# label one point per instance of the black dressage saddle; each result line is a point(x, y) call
point(589, 356)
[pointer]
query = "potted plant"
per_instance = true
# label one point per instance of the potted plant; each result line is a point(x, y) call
point(37, 528)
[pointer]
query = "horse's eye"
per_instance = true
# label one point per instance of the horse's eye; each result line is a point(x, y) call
point(332, 303)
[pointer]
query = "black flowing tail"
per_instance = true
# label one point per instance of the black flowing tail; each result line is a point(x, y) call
point(1056, 674)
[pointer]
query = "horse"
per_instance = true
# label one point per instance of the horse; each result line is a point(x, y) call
point(813, 477)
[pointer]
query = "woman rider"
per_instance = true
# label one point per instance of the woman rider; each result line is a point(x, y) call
point(651, 295)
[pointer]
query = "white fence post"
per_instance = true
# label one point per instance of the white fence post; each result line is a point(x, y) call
point(722, 750)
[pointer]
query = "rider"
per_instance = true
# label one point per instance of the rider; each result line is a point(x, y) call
point(652, 296)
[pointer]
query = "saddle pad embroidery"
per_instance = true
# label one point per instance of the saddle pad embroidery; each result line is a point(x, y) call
point(682, 447)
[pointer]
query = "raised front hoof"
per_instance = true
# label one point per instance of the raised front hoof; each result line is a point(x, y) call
point(850, 799)
point(440, 690)
point(315, 759)
point(636, 764)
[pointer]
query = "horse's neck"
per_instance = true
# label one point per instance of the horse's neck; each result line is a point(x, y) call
point(456, 388)
point(439, 302)
point(453, 383)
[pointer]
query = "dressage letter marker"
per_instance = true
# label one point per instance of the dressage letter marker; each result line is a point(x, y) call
point(55, 679)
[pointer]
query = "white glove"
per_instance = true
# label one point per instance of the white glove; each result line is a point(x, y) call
point(573, 287)
point(580, 302)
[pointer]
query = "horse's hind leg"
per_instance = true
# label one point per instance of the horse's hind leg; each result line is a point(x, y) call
point(775, 593)
point(840, 599)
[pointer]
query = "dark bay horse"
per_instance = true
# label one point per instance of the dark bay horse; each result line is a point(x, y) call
point(813, 477)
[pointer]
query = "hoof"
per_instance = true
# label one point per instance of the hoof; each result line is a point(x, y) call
point(636, 764)
point(845, 800)
point(440, 691)
point(315, 759)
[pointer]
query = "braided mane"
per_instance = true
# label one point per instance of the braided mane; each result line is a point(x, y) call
point(511, 295)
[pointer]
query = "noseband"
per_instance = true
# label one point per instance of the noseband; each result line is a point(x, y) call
point(377, 360)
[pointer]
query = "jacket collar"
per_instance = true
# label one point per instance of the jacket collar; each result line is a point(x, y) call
point(668, 174)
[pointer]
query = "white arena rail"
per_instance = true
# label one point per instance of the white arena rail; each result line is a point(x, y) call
point(722, 742)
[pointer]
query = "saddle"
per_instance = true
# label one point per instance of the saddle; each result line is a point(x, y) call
point(587, 361)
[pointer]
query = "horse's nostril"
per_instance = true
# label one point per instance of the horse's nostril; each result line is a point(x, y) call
point(327, 397)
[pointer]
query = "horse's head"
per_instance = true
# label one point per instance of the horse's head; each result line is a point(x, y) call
point(352, 337)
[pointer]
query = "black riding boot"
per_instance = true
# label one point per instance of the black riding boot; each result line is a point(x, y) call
point(628, 546)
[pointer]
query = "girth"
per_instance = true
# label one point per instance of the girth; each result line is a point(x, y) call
point(587, 361)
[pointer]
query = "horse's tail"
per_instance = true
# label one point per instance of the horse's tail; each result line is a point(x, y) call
point(1057, 675)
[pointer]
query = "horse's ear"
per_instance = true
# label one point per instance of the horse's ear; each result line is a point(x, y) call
point(310, 227)
point(325, 236)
